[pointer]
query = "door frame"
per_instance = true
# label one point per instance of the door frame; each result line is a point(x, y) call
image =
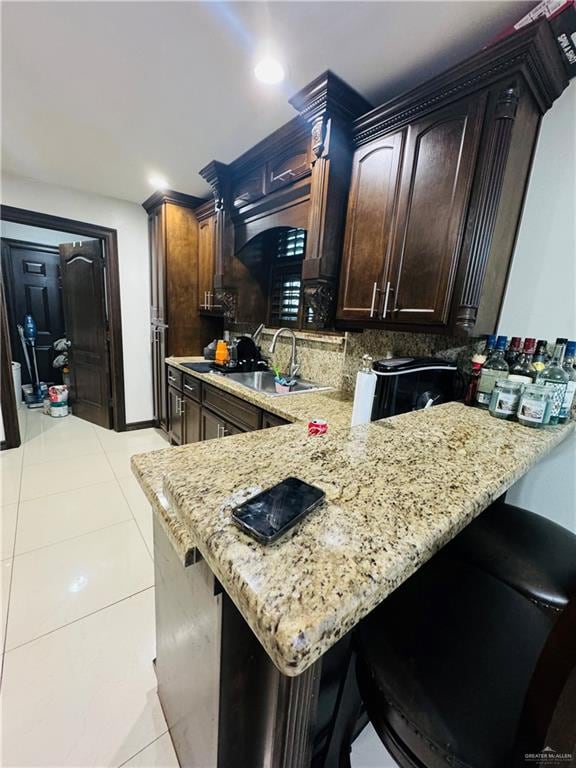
point(109, 237)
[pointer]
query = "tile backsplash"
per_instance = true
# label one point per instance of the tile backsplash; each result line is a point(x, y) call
point(335, 359)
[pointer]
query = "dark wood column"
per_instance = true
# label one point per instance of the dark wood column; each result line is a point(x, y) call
point(329, 105)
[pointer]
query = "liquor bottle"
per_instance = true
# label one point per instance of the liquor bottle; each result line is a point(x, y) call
point(555, 378)
point(513, 350)
point(477, 363)
point(523, 370)
point(494, 368)
point(568, 366)
point(540, 358)
point(481, 357)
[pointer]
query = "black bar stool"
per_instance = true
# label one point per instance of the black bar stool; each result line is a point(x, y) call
point(472, 662)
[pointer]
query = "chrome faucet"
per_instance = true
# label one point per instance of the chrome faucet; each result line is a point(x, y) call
point(257, 333)
point(294, 367)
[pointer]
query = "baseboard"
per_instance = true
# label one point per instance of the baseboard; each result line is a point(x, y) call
point(141, 425)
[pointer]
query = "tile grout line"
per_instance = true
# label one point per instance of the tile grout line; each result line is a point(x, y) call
point(136, 521)
point(127, 500)
point(9, 600)
point(143, 748)
point(75, 621)
point(71, 538)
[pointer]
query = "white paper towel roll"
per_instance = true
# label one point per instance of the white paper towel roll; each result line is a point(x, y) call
point(363, 397)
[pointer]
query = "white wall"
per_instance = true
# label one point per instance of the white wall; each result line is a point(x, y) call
point(130, 221)
point(540, 299)
point(35, 234)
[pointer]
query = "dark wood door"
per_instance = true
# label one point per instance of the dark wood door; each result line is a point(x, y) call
point(271, 420)
point(159, 387)
point(157, 244)
point(206, 264)
point(32, 279)
point(437, 174)
point(233, 429)
point(369, 227)
point(83, 286)
point(192, 415)
point(212, 425)
point(175, 411)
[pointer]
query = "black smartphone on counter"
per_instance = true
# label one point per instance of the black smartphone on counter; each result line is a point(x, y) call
point(271, 513)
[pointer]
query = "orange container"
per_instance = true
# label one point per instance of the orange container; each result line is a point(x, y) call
point(222, 354)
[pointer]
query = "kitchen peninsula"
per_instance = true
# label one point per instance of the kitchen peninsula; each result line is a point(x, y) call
point(396, 491)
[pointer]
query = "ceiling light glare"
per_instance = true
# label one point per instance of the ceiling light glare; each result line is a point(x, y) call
point(158, 182)
point(269, 71)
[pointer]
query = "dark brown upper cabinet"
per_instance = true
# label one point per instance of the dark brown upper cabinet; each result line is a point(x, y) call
point(289, 166)
point(433, 197)
point(438, 182)
point(206, 216)
point(373, 192)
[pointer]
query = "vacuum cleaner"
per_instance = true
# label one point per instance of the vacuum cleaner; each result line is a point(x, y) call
point(28, 334)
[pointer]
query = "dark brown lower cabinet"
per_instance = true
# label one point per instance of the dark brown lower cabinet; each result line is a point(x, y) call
point(175, 410)
point(192, 418)
point(212, 425)
point(226, 705)
point(271, 420)
point(198, 411)
point(215, 426)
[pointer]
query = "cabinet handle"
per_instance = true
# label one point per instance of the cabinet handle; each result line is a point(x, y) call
point(180, 405)
point(373, 304)
point(171, 378)
point(386, 299)
point(189, 388)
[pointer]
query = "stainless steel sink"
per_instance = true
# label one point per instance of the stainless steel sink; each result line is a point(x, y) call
point(263, 381)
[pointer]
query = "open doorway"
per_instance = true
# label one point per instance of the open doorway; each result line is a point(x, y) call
point(65, 274)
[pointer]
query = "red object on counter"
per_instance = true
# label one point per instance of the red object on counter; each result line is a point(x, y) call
point(317, 427)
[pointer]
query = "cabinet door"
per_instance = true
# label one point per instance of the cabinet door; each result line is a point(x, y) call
point(271, 420)
point(206, 263)
point(192, 420)
point(157, 244)
point(175, 415)
point(233, 429)
point(371, 205)
point(212, 426)
point(437, 173)
point(159, 382)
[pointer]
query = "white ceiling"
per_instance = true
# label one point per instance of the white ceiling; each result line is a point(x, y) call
point(99, 95)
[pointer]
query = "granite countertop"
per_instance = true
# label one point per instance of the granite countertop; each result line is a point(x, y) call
point(331, 405)
point(396, 491)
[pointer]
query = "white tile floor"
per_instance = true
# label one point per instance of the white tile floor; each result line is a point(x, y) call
point(76, 579)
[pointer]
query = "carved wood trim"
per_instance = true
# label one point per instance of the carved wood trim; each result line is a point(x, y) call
point(296, 709)
point(205, 210)
point(319, 299)
point(170, 196)
point(328, 93)
point(532, 51)
point(486, 206)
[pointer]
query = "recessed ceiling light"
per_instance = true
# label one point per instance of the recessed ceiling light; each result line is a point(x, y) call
point(269, 71)
point(158, 182)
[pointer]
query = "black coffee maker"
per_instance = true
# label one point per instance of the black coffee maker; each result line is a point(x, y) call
point(410, 383)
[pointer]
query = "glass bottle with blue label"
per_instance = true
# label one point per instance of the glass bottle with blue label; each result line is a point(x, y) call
point(494, 369)
point(568, 366)
point(555, 379)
